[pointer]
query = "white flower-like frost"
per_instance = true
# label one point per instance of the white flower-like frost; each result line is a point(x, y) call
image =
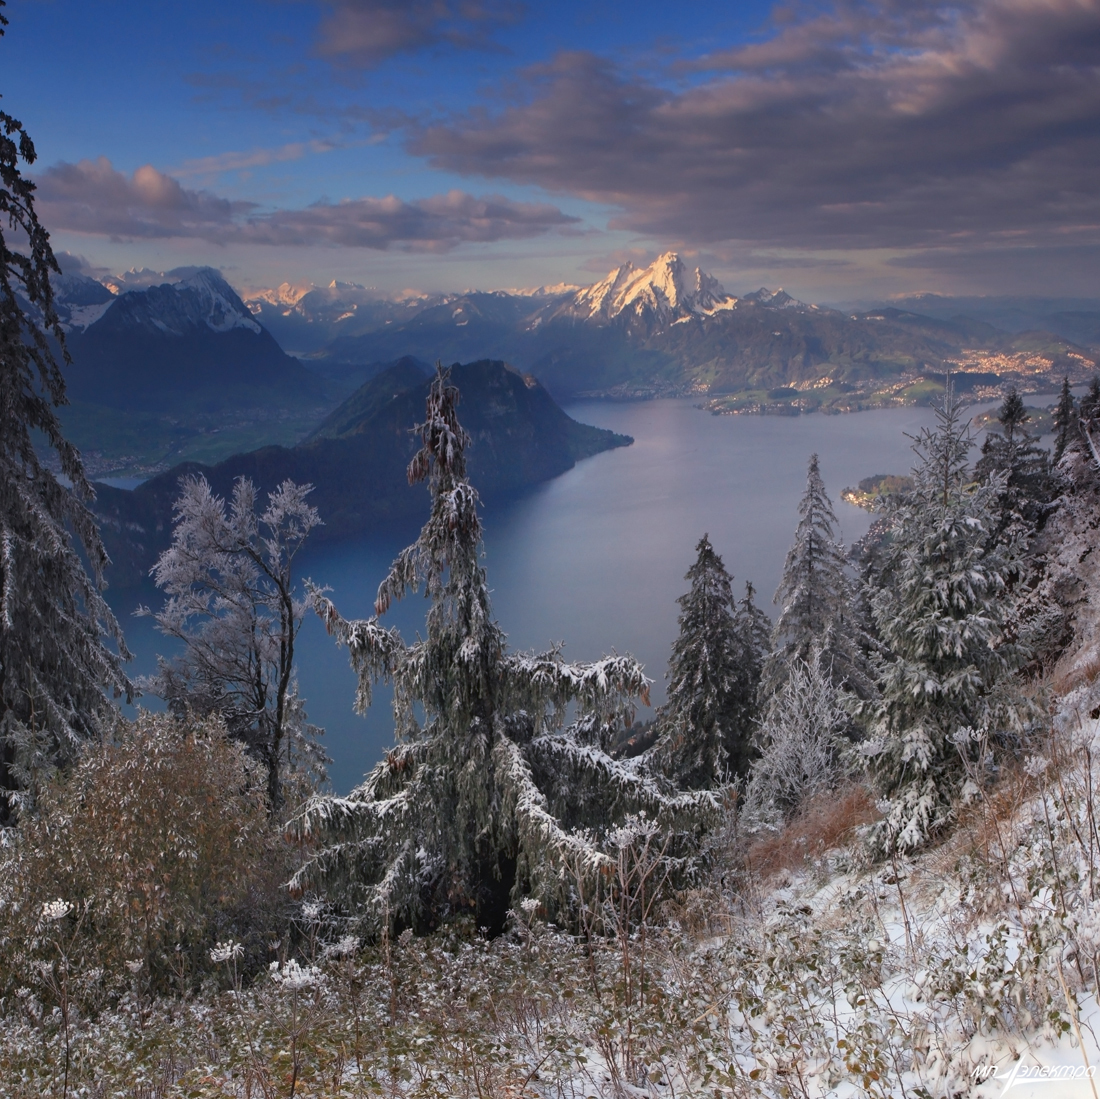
point(55, 910)
point(227, 951)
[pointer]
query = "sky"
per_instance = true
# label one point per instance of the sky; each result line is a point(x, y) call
point(842, 150)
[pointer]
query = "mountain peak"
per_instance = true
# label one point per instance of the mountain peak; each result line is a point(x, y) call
point(665, 291)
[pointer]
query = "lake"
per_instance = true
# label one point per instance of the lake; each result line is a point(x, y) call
point(596, 557)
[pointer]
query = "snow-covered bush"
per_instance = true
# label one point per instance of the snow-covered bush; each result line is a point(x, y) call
point(801, 744)
point(157, 846)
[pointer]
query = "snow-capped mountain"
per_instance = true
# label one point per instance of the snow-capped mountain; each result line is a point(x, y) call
point(203, 300)
point(305, 319)
point(660, 294)
point(188, 342)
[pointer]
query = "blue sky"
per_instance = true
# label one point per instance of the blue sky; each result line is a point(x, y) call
point(839, 149)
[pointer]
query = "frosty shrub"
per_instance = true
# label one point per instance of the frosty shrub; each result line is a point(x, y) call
point(801, 745)
point(158, 845)
point(486, 793)
point(232, 602)
point(939, 604)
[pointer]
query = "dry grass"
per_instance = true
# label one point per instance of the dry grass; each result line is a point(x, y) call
point(1080, 673)
point(827, 822)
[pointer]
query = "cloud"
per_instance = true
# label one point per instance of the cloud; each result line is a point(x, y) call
point(902, 125)
point(367, 32)
point(252, 158)
point(93, 197)
point(431, 224)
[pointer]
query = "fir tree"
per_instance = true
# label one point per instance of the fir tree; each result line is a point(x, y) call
point(815, 596)
point(486, 795)
point(754, 630)
point(704, 728)
point(939, 609)
point(1028, 487)
point(1088, 422)
point(1065, 421)
point(1090, 402)
point(231, 600)
point(55, 627)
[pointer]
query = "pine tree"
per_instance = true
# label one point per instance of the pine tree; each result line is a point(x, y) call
point(55, 627)
point(815, 596)
point(1065, 421)
point(486, 795)
point(229, 579)
point(938, 606)
point(704, 728)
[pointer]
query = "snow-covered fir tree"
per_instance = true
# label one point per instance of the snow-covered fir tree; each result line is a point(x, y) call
point(801, 746)
point(60, 646)
point(705, 726)
point(1028, 489)
point(815, 596)
point(486, 795)
point(946, 697)
point(228, 575)
point(1065, 421)
point(754, 630)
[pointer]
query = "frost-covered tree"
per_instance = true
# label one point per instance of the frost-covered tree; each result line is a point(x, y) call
point(60, 646)
point(228, 575)
point(801, 746)
point(1065, 420)
point(939, 608)
point(486, 795)
point(816, 599)
point(754, 629)
point(705, 726)
point(1028, 487)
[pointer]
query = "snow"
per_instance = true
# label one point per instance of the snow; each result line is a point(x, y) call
point(84, 316)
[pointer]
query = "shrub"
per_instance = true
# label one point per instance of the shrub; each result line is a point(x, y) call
point(156, 845)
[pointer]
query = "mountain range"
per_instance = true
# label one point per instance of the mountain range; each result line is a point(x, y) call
point(178, 367)
point(667, 329)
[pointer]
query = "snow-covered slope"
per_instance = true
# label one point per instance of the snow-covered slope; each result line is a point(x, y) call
point(80, 300)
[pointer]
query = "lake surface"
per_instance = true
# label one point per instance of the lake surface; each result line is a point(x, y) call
point(596, 557)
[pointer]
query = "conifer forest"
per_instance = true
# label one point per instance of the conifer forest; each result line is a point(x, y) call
point(854, 852)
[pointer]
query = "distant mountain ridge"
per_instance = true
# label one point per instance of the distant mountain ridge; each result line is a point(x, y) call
point(357, 459)
point(667, 329)
point(192, 342)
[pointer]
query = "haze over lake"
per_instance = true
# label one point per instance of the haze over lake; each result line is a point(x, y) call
point(596, 557)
